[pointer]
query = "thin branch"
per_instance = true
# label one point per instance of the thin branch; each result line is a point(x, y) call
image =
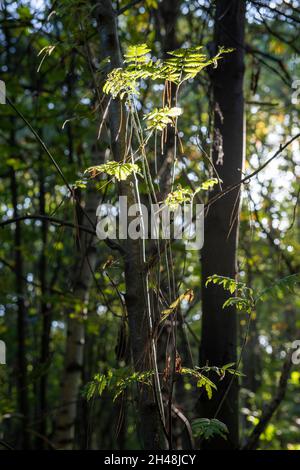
point(287, 260)
point(6, 445)
point(286, 78)
point(186, 423)
point(57, 167)
point(110, 243)
point(247, 178)
point(278, 12)
point(154, 256)
point(54, 220)
point(267, 414)
point(128, 6)
point(41, 142)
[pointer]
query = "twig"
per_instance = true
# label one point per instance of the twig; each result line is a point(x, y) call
point(186, 423)
point(112, 244)
point(41, 142)
point(247, 178)
point(267, 414)
point(128, 6)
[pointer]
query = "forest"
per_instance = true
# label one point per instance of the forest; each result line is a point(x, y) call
point(150, 225)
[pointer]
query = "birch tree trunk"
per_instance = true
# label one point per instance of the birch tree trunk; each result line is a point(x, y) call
point(219, 253)
point(72, 374)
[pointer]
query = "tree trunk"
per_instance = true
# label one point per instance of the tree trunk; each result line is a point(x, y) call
point(22, 381)
point(71, 380)
point(45, 311)
point(136, 297)
point(22, 376)
point(219, 254)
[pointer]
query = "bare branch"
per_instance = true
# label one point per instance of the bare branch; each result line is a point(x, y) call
point(247, 178)
point(110, 243)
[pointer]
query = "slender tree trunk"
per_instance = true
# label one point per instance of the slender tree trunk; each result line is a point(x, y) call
point(45, 315)
point(219, 254)
point(135, 279)
point(22, 383)
point(166, 17)
point(71, 380)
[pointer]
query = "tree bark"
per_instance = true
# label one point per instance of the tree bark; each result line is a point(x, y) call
point(22, 376)
point(46, 315)
point(136, 296)
point(71, 380)
point(219, 254)
point(22, 379)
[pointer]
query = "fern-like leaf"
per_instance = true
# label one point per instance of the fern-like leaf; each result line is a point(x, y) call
point(121, 171)
point(137, 55)
point(207, 428)
point(285, 285)
point(159, 119)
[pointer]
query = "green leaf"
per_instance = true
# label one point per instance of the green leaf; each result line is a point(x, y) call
point(137, 54)
point(208, 184)
point(183, 64)
point(207, 384)
point(179, 196)
point(159, 119)
point(243, 301)
point(207, 428)
point(121, 171)
point(286, 285)
point(97, 386)
point(186, 63)
point(120, 83)
point(116, 382)
point(188, 296)
point(202, 380)
point(80, 184)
